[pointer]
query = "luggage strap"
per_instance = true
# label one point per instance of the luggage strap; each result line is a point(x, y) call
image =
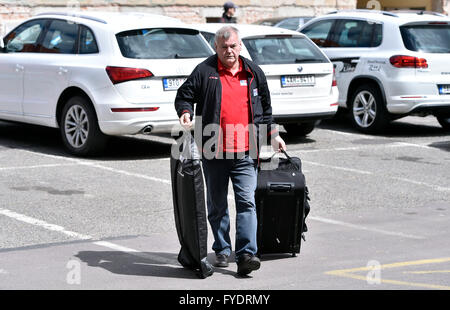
point(285, 154)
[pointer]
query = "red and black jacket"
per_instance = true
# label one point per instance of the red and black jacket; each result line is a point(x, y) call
point(203, 88)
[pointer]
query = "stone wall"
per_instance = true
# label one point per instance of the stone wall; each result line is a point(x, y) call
point(193, 11)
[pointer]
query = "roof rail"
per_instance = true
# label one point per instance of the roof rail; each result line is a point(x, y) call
point(366, 11)
point(74, 15)
point(419, 12)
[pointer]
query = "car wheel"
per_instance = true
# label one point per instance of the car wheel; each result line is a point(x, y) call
point(368, 111)
point(79, 128)
point(444, 121)
point(301, 129)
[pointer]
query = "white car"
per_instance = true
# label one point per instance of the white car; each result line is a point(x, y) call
point(299, 75)
point(97, 74)
point(388, 64)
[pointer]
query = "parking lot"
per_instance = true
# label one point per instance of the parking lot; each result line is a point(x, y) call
point(380, 208)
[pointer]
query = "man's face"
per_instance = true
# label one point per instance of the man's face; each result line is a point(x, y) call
point(231, 11)
point(228, 50)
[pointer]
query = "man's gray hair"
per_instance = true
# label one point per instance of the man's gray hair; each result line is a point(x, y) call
point(225, 33)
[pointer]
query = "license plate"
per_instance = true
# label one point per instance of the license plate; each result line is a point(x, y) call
point(297, 80)
point(444, 89)
point(173, 83)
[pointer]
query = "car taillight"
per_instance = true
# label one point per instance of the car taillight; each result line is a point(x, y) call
point(401, 61)
point(122, 74)
point(334, 83)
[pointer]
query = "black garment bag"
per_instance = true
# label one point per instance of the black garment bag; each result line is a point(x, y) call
point(190, 209)
point(281, 204)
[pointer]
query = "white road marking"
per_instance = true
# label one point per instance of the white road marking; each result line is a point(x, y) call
point(95, 165)
point(36, 166)
point(43, 224)
point(350, 148)
point(359, 227)
point(342, 133)
point(106, 244)
point(397, 144)
point(338, 168)
point(152, 257)
point(417, 145)
point(231, 197)
point(435, 187)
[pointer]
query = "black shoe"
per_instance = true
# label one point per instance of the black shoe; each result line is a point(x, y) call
point(247, 263)
point(221, 260)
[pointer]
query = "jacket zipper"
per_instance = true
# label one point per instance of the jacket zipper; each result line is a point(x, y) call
point(251, 108)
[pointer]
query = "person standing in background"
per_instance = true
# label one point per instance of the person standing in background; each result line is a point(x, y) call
point(228, 14)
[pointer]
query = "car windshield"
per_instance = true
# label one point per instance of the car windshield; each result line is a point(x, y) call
point(162, 43)
point(427, 38)
point(283, 50)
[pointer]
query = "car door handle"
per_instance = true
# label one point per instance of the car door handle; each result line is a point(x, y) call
point(62, 71)
point(19, 68)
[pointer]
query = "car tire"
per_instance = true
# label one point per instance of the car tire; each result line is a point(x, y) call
point(368, 110)
point(300, 130)
point(79, 128)
point(444, 121)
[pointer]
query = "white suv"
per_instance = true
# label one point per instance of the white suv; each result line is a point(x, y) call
point(97, 74)
point(388, 64)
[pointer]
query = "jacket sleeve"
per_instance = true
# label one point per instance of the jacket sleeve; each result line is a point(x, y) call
point(187, 94)
point(272, 130)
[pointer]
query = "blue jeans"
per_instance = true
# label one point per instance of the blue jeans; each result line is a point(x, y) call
point(243, 175)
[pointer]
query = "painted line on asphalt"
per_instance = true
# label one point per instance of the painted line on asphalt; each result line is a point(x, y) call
point(231, 197)
point(353, 148)
point(98, 166)
point(343, 133)
point(365, 172)
point(36, 166)
point(435, 187)
point(427, 271)
point(360, 227)
point(350, 273)
point(338, 168)
point(56, 228)
point(43, 224)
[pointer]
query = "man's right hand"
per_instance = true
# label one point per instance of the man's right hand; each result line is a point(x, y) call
point(185, 120)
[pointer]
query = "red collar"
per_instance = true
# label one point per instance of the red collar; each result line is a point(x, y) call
point(221, 67)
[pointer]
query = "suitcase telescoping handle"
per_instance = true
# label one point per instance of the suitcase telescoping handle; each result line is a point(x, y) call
point(280, 187)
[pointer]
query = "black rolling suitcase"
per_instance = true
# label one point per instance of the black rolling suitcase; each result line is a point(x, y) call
point(190, 210)
point(282, 205)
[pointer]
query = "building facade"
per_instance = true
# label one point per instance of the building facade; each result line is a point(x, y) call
point(198, 11)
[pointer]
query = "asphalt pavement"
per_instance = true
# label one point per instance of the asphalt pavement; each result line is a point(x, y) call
point(380, 208)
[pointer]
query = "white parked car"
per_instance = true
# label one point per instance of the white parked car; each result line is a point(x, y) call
point(299, 75)
point(97, 74)
point(388, 64)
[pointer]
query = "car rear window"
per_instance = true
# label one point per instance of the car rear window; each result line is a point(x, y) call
point(161, 43)
point(283, 50)
point(426, 38)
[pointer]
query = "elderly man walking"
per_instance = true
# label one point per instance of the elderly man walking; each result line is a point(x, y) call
point(230, 93)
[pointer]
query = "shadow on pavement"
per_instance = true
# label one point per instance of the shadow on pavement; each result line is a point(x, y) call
point(136, 264)
point(405, 127)
point(442, 145)
point(48, 141)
